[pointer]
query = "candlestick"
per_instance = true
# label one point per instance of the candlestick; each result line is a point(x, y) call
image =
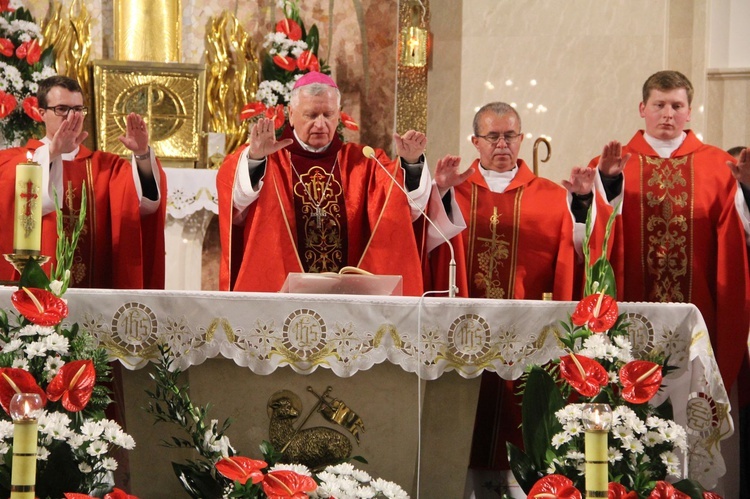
point(597, 419)
point(27, 229)
point(24, 409)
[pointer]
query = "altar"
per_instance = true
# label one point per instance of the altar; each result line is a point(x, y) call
point(407, 366)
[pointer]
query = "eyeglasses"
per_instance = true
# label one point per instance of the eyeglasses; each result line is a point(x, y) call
point(64, 110)
point(494, 138)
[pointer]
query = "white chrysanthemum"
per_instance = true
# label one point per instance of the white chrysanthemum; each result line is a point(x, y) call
point(639, 427)
point(300, 469)
point(109, 464)
point(42, 453)
point(361, 476)
point(52, 366)
point(36, 349)
point(84, 468)
point(35, 330)
point(281, 4)
point(652, 438)
point(6, 429)
point(343, 469)
point(12, 345)
point(622, 432)
point(389, 489)
point(656, 423)
point(560, 439)
point(573, 428)
point(613, 377)
point(569, 413)
point(97, 448)
point(91, 430)
point(57, 343)
point(633, 445)
point(56, 425)
point(4, 448)
point(21, 363)
point(76, 441)
point(614, 455)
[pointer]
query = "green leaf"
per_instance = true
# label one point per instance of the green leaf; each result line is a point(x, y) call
point(522, 467)
point(690, 487)
point(33, 276)
point(313, 39)
point(198, 484)
point(603, 273)
point(361, 459)
point(541, 399)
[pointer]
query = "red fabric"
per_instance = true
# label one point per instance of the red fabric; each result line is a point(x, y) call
point(537, 255)
point(706, 258)
point(380, 238)
point(119, 249)
point(535, 239)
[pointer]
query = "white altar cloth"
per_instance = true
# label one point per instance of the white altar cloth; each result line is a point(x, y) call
point(347, 334)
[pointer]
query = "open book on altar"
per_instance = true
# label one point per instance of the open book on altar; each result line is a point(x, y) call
point(348, 281)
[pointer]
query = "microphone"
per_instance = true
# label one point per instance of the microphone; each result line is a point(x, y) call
point(369, 152)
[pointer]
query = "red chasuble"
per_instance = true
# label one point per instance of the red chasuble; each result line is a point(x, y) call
point(117, 248)
point(317, 212)
point(680, 239)
point(518, 244)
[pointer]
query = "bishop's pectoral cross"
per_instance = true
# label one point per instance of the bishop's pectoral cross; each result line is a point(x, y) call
point(319, 215)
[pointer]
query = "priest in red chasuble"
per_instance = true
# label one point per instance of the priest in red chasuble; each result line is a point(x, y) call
point(122, 242)
point(679, 236)
point(518, 242)
point(310, 203)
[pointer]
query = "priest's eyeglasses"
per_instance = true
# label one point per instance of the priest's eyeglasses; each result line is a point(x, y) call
point(64, 110)
point(494, 138)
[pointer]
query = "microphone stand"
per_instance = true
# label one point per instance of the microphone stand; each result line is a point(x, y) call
point(368, 152)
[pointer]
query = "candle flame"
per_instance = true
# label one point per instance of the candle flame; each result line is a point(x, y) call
point(29, 156)
point(26, 409)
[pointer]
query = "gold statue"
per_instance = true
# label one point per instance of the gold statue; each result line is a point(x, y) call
point(71, 39)
point(233, 75)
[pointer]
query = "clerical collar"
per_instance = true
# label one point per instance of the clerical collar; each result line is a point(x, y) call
point(498, 181)
point(307, 147)
point(664, 148)
point(68, 156)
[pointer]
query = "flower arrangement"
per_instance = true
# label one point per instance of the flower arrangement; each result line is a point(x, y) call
point(66, 368)
point(645, 446)
point(290, 51)
point(219, 472)
point(23, 64)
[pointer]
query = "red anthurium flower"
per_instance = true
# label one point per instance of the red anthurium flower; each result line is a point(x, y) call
point(665, 490)
point(4, 6)
point(76, 495)
point(618, 491)
point(711, 495)
point(307, 61)
point(7, 104)
point(33, 52)
point(31, 108)
point(277, 115)
point(586, 375)
point(74, 383)
point(39, 306)
point(118, 494)
point(22, 50)
point(597, 311)
point(640, 380)
point(554, 487)
point(14, 380)
point(284, 484)
point(6, 47)
point(241, 469)
point(349, 122)
point(290, 28)
point(252, 110)
point(287, 63)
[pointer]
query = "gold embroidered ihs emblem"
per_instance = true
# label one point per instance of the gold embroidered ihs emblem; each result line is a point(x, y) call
point(320, 195)
point(490, 259)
